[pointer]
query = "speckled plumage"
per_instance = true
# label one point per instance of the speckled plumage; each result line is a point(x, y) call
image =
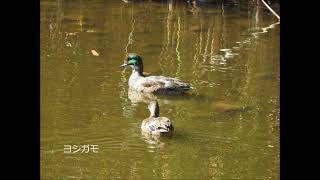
point(155, 125)
point(152, 84)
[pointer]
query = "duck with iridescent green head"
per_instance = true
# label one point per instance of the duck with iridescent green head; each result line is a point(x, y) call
point(152, 84)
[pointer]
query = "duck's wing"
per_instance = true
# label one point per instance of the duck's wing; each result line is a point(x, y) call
point(159, 125)
point(164, 84)
point(152, 125)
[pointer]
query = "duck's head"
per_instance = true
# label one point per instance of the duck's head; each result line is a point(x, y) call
point(134, 61)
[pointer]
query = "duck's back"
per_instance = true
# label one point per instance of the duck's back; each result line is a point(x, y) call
point(157, 126)
point(161, 85)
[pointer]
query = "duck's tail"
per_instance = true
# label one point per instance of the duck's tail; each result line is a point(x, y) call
point(187, 88)
point(163, 130)
point(165, 127)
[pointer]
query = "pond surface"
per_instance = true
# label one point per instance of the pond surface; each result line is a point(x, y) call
point(226, 128)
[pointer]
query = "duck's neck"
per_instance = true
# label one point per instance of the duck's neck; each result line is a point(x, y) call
point(138, 70)
point(137, 73)
point(155, 112)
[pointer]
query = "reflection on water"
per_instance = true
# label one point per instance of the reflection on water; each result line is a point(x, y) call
point(226, 128)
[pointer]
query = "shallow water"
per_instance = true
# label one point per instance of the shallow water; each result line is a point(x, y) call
point(226, 128)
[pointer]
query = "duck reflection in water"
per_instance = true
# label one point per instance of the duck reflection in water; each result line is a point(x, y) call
point(137, 97)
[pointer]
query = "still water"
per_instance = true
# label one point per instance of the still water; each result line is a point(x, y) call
point(226, 128)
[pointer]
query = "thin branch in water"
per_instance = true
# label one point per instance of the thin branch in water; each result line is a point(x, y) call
point(274, 13)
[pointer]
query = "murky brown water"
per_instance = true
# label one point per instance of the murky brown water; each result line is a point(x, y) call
point(227, 128)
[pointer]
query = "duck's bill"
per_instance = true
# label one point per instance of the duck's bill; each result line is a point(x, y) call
point(124, 65)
